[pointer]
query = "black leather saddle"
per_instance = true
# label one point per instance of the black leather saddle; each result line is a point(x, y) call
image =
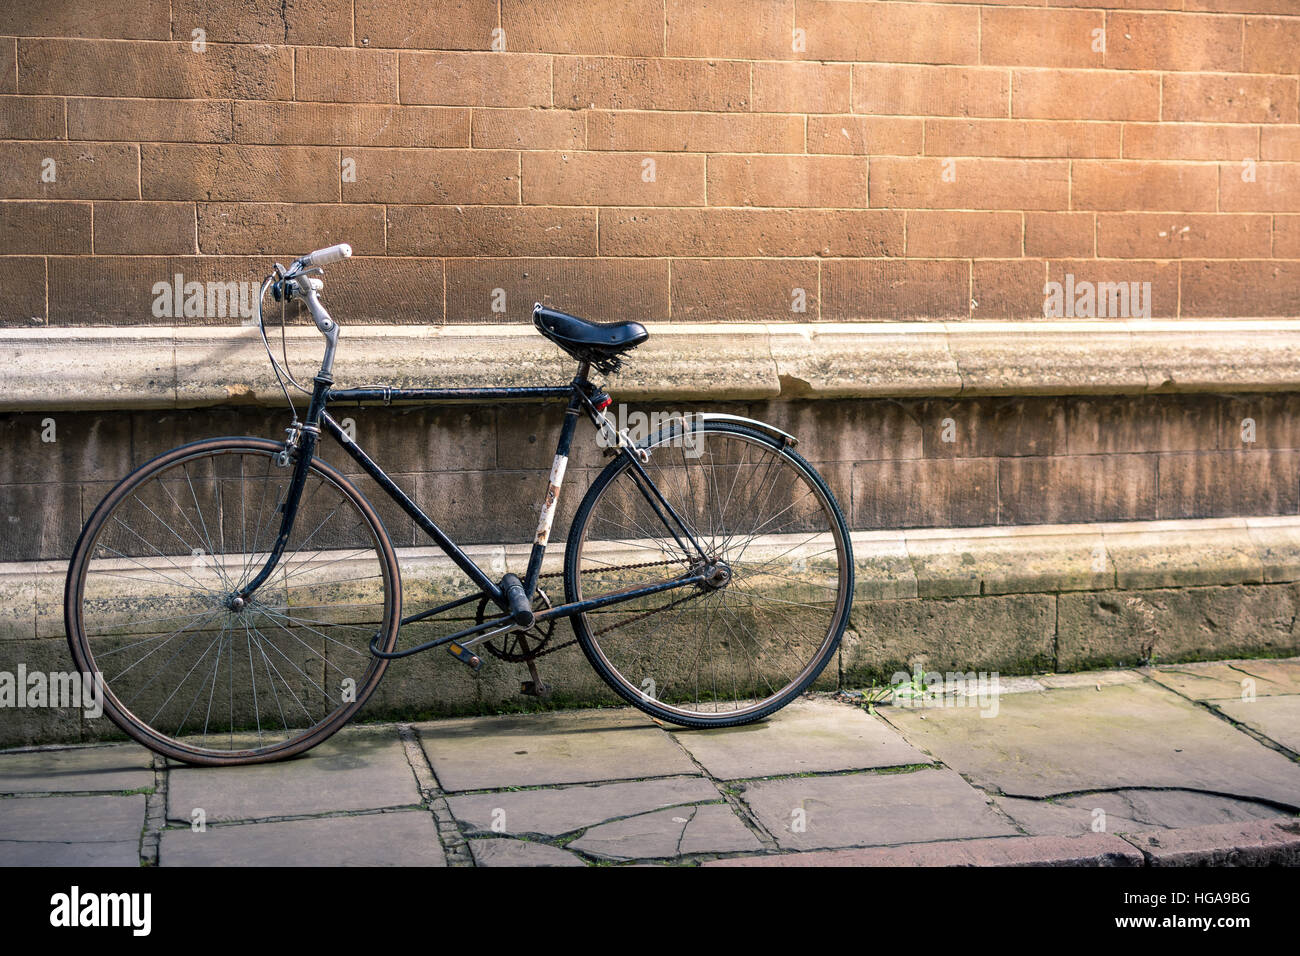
point(600, 343)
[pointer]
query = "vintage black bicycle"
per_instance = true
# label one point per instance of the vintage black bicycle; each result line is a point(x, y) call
point(241, 599)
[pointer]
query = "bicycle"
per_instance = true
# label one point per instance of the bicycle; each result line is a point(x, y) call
point(241, 599)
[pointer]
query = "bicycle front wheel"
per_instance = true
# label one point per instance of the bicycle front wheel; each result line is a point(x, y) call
point(780, 564)
point(188, 670)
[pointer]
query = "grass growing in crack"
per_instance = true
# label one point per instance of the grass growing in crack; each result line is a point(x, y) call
point(911, 691)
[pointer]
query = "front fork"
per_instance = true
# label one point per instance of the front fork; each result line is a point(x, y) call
point(299, 448)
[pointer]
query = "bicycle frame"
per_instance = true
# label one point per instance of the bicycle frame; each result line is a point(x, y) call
point(318, 421)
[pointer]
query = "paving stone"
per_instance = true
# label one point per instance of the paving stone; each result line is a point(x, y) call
point(1261, 843)
point(1277, 718)
point(520, 853)
point(559, 811)
point(1226, 679)
point(1089, 679)
point(70, 854)
point(872, 809)
point(359, 768)
point(713, 828)
point(807, 736)
point(81, 769)
point(1130, 811)
point(553, 748)
point(107, 819)
point(1124, 735)
point(406, 838)
point(1091, 849)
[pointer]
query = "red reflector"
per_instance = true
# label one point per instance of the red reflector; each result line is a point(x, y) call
point(604, 403)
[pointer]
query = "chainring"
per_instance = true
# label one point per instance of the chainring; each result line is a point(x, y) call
point(523, 645)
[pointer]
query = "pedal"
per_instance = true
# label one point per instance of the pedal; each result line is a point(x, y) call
point(465, 656)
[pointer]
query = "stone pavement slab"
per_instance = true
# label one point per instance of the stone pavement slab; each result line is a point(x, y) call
point(863, 809)
point(1091, 849)
point(79, 769)
point(712, 828)
point(1213, 680)
point(1089, 679)
point(809, 735)
point(482, 753)
point(1121, 736)
point(1130, 811)
point(359, 768)
point(1263, 842)
point(554, 812)
point(70, 854)
point(1277, 718)
point(108, 819)
point(402, 838)
point(504, 852)
point(71, 831)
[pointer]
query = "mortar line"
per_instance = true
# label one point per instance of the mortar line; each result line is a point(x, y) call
point(454, 845)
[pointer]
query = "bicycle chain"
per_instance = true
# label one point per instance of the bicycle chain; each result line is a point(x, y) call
point(617, 567)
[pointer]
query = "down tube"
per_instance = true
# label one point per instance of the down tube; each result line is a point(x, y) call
point(449, 547)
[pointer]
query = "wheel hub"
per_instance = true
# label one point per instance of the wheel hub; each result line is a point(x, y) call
point(717, 576)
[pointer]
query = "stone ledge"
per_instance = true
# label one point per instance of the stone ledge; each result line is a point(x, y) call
point(890, 566)
point(163, 367)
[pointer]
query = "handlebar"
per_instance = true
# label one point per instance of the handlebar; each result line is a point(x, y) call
point(323, 257)
point(296, 283)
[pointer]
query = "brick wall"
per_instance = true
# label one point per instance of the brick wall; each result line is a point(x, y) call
point(654, 159)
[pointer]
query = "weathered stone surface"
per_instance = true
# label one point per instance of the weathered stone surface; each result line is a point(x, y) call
point(882, 570)
point(1229, 680)
point(712, 828)
point(108, 819)
point(872, 809)
point(25, 726)
point(1012, 634)
point(407, 838)
point(1250, 355)
point(1045, 357)
point(1261, 843)
point(1277, 541)
point(125, 853)
point(88, 368)
point(553, 748)
point(359, 768)
point(520, 853)
point(563, 810)
point(1089, 679)
point(1277, 718)
point(1107, 628)
point(85, 769)
point(1165, 555)
point(804, 737)
point(1129, 811)
point(1122, 736)
point(1092, 849)
point(1009, 560)
point(17, 602)
point(826, 360)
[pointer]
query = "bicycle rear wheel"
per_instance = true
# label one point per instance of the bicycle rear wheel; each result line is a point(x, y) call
point(149, 604)
point(745, 644)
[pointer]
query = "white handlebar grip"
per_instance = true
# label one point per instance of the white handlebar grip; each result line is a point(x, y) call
point(323, 257)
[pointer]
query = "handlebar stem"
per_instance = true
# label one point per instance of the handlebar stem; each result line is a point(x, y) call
point(328, 327)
